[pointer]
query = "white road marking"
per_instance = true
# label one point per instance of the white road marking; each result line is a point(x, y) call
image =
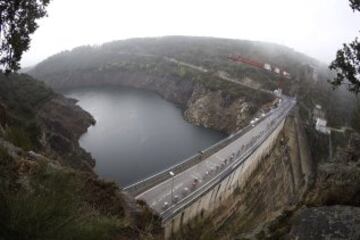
point(161, 191)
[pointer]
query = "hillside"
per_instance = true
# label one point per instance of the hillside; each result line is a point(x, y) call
point(47, 178)
point(194, 71)
point(210, 53)
point(36, 118)
point(48, 189)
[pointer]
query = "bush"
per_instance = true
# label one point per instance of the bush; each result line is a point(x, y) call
point(51, 208)
point(19, 137)
point(7, 173)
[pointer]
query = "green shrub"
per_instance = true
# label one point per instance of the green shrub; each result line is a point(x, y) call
point(19, 137)
point(51, 208)
point(7, 166)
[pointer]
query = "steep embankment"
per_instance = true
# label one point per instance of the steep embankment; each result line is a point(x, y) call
point(36, 118)
point(279, 183)
point(47, 187)
point(285, 195)
point(162, 58)
point(282, 199)
point(289, 196)
point(173, 66)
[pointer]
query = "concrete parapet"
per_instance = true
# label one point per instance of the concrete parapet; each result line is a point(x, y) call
point(212, 200)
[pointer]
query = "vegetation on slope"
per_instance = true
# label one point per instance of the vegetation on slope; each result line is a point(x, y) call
point(20, 97)
point(210, 53)
point(207, 52)
point(147, 55)
point(80, 207)
point(41, 197)
point(152, 66)
point(52, 206)
point(150, 56)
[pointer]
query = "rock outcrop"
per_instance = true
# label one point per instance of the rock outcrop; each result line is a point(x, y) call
point(211, 108)
point(33, 117)
point(62, 123)
point(47, 187)
point(336, 222)
point(338, 182)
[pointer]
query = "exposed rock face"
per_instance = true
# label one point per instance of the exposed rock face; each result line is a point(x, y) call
point(336, 222)
point(35, 118)
point(210, 108)
point(338, 182)
point(62, 124)
point(310, 223)
point(351, 153)
point(72, 120)
point(171, 88)
point(22, 165)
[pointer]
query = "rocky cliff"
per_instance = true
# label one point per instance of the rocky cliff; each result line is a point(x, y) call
point(35, 118)
point(62, 123)
point(216, 110)
point(287, 197)
point(338, 181)
point(207, 102)
point(42, 198)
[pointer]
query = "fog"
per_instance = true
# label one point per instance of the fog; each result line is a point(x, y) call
point(314, 27)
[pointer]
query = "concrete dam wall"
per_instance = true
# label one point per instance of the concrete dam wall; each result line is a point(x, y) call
point(212, 200)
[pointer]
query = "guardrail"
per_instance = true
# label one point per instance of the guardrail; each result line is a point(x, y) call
point(167, 214)
point(147, 183)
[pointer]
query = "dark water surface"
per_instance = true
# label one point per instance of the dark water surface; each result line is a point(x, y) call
point(137, 133)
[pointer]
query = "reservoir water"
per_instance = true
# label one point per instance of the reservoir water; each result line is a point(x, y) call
point(137, 133)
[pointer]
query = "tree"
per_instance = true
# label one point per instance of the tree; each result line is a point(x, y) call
point(17, 23)
point(347, 62)
point(355, 123)
point(355, 4)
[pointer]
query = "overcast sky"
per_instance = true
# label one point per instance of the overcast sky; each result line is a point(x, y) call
point(315, 27)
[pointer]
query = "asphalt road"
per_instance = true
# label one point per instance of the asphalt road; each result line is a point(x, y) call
point(172, 191)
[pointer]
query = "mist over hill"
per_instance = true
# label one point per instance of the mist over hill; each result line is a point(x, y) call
point(203, 51)
point(151, 56)
point(213, 91)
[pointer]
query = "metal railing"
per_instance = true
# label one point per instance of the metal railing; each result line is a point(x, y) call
point(173, 210)
point(145, 184)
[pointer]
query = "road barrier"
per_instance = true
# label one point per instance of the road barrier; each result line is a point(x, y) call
point(188, 200)
point(145, 184)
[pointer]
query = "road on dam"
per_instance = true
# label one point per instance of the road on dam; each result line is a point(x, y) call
point(181, 186)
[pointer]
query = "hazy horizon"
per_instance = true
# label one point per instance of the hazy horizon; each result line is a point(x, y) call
point(315, 28)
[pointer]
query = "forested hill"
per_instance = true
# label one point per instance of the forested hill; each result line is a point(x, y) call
point(148, 56)
point(206, 52)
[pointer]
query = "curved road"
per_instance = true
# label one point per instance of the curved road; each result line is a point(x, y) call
point(179, 188)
